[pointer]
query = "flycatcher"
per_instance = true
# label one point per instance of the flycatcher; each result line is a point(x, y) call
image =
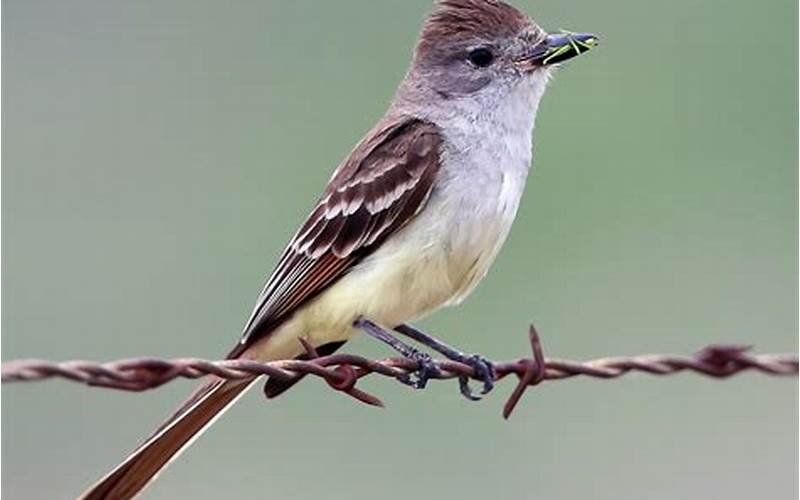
point(408, 223)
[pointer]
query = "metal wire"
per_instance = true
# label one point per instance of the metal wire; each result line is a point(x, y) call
point(342, 371)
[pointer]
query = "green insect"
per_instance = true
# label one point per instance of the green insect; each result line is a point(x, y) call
point(571, 45)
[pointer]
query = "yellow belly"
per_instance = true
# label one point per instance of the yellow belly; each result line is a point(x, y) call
point(434, 261)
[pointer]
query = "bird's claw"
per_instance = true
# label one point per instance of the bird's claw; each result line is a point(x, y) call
point(426, 369)
point(484, 371)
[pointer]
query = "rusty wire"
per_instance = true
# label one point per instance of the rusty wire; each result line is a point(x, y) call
point(342, 371)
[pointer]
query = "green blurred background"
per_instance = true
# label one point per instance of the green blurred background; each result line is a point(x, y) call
point(158, 155)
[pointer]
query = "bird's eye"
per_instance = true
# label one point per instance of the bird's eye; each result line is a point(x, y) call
point(481, 57)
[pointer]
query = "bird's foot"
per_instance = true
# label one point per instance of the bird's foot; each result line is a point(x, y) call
point(426, 367)
point(426, 370)
point(484, 371)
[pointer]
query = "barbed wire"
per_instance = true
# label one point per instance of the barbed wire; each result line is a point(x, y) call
point(342, 371)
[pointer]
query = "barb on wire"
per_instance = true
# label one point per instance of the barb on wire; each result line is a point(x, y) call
point(342, 371)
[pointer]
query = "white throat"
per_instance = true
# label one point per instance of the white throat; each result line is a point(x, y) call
point(498, 123)
point(485, 162)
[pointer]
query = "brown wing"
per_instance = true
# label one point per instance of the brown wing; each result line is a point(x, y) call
point(381, 186)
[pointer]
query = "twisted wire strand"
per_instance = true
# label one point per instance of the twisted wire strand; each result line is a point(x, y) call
point(342, 371)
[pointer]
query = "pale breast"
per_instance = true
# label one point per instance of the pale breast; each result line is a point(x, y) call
point(435, 260)
point(480, 228)
point(445, 251)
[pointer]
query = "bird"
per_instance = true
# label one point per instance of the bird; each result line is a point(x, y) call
point(408, 223)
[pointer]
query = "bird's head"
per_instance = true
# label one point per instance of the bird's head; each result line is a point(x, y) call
point(485, 49)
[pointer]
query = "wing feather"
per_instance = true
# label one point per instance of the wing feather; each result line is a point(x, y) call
point(382, 185)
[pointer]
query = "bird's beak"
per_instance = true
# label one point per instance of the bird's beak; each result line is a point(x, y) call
point(557, 48)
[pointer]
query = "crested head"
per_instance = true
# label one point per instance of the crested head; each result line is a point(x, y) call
point(469, 50)
point(483, 52)
point(468, 20)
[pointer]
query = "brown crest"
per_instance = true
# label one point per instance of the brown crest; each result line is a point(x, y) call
point(458, 20)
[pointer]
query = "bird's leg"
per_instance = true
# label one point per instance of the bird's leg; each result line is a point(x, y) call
point(426, 367)
point(484, 370)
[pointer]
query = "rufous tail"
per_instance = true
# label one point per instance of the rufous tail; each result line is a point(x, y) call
point(143, 465)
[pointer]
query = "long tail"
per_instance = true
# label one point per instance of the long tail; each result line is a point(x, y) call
point(143, 465)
